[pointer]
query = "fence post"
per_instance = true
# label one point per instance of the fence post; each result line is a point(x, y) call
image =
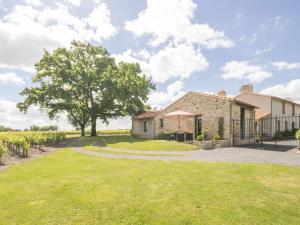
point(261, 132)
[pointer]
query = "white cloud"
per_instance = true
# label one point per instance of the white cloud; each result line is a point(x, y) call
point(244, 70)
point(99, 19)
point(21, 68)
point(174, 61)
point(288, 90)
point(121, 123)
point(74, 2)
point(10, 116)
point(253, 38)
point(160, 99)
point(2, 6)
point(26, 30)
point(172, 19)
point(265, 50)
point(6, 78)
point(279, 22)
point(238, 19)
point(282, 65)
point(36, 3)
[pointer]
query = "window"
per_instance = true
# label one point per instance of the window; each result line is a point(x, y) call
point(242, 123)
point(161, 122)
point(221, 126)
point(145, 126)
point(283, 108)
point(198, 125)
point(286, 125)
point(293, 110)
point(278, 126)
point(293, 126)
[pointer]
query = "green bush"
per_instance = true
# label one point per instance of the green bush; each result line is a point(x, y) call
point(2, 148)
point(217, 138)
point(134, 135)
point(298, 134)
point(162, 136)
point(200, 137)
point(284, 134)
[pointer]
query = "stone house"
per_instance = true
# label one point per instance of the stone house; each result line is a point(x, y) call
point(213, 114)
point(273, 114)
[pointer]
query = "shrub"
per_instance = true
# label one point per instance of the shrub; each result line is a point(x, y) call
point(298, 134)
point(217, 138)
point(284, 134)
point(2, 149)
point(278, 135)
point(162, 136)
point(134, 135)
point(200, 137)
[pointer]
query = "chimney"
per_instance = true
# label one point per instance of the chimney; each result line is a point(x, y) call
point(248, 88)
point(222, 93)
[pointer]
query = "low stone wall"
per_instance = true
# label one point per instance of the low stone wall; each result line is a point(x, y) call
point(206, 145)
point(239, 141)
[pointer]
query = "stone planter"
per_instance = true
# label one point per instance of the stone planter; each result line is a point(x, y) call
point(207, 145)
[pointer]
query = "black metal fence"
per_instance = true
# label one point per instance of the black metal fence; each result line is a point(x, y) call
point(272, 133)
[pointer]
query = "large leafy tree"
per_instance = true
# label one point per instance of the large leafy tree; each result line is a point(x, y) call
point(85, 82)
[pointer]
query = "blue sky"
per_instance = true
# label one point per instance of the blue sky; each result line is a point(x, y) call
point(182, 44)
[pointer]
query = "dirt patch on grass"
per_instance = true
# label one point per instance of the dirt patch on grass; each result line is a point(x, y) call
point(12, 159)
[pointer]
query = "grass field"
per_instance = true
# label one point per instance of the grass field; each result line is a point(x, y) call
point(128, 142)
point(100, 132)
point(66, 187)
point(102, 150)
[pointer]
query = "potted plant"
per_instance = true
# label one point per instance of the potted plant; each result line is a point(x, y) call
point(217, 138)
point(200, 137)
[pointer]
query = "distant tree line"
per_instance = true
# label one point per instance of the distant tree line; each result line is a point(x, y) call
point(86, 83)
point(43, 128)
point(5, 129)
point(31, 128)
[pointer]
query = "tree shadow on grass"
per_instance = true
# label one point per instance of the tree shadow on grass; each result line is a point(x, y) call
point(99, 141)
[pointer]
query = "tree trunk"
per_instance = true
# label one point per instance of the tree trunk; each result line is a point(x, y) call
point(93, 127)
point(82, 128)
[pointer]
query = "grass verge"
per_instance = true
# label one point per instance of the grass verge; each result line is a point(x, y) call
point(131, 143)
point(66, 187)
point(103, 150)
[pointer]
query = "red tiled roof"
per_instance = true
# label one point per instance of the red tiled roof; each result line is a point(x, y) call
point(146, 115)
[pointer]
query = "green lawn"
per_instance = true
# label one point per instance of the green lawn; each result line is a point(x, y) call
point(103, 150)
point(128, 142)
point(66, 187)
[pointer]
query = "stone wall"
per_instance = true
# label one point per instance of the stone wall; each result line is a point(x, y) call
point(206, 145)
point(138, 128)
point(210, 108)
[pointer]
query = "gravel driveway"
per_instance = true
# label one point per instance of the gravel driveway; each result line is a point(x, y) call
point(241, 155)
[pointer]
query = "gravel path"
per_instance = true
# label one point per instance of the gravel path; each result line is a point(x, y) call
point(241, 155)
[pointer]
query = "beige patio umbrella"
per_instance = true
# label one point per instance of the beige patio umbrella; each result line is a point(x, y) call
point(179, 115)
